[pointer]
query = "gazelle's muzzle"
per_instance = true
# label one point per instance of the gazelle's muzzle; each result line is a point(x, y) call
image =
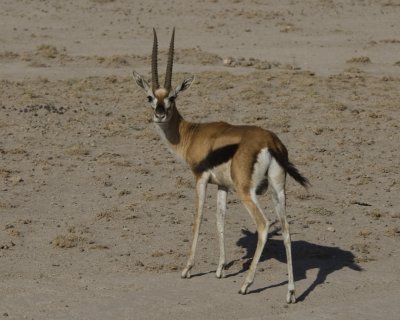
point(160, 112)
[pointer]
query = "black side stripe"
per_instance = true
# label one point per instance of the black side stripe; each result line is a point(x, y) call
point(216, 157)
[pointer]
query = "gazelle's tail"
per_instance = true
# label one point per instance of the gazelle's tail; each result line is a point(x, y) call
point(290, 168)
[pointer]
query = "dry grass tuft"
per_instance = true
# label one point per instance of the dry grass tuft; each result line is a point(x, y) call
point(362, 59)
point(47, 51)
point(67, 241)
point(77, 150)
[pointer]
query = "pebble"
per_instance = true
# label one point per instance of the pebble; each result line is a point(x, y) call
point(228, 62)
point(394, 214)
point(330, 229)
point(16, 179)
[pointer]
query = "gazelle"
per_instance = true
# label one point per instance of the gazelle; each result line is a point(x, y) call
point(244, 158)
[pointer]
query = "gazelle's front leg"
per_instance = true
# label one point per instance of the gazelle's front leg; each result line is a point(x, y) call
point(201, 186)
point(221, 209)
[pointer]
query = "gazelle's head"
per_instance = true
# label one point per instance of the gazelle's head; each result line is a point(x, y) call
point(162, 99)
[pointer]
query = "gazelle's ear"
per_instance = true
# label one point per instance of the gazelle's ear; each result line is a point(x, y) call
point(184, 85)
point(141, 82)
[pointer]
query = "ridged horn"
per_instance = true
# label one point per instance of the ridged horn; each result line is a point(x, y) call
point(154, 69)
point(168, 75)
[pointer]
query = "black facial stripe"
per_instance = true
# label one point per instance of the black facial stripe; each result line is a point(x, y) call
point(216, 157)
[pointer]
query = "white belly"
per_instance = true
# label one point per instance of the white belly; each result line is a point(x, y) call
point(221, 175)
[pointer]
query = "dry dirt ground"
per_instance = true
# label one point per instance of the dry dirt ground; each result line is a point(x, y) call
point(95, 214)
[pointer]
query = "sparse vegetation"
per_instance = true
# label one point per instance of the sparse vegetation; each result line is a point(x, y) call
point(362, 59)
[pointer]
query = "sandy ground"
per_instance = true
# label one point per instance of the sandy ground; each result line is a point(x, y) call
point(95, 220)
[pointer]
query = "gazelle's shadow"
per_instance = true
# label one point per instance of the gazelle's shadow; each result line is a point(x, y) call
point(306, 256)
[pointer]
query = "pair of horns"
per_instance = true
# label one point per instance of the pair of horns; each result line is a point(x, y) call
point(154, 69)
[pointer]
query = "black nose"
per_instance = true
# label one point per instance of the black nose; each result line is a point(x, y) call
point(160, 111)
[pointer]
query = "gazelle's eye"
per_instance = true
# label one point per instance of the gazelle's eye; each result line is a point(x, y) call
point(150, 98)
point(171, 99)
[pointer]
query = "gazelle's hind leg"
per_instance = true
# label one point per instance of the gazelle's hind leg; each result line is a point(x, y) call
point(262, 224)
point(276, 179)
point(221, 209)
point(247, 177)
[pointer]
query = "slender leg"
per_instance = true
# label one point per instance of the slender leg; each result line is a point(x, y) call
point(221, 209)
point(262, 225)
point(201, 186)
point(278, 195)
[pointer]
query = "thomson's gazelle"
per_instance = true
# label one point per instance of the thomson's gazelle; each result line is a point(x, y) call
point(244, 158)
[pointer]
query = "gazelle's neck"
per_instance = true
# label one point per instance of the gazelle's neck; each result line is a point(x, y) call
point(174, 133)
point(170, 130)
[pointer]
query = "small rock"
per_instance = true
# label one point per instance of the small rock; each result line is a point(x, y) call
point(15, 179)
point(394, 214)
point(364, 233)
point(139, 264)
point(228, 62)
point(330, 229)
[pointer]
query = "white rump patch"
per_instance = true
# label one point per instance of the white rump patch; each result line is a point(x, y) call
point(260, 168)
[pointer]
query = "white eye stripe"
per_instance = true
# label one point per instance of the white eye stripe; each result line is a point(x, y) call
point(167, 103)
